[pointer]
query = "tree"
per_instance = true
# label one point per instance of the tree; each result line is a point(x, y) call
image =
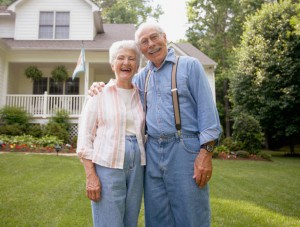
point(267, 81)
point(216, 27)
point(128, 11)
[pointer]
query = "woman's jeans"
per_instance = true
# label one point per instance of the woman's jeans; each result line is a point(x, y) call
point(172, 197)
point(122, 190)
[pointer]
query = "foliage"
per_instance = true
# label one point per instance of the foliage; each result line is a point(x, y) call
point(30, 141)
point(222, 148)
point(56, 129)
point(247, 131)
point(215, 28)
point(12, 130)
point(33, 72)
point(231, 144)
point(60, 73)
point(128, 11)
point(61, 117)
point(265, 156)
point(14, 115)
point(242, 154)
point(35, 130)
point(267, 80)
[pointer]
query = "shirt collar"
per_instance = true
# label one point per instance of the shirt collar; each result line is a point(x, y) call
point(113, 83)
point(171, 57)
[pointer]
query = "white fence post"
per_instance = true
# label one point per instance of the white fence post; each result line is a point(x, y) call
point(45, 104)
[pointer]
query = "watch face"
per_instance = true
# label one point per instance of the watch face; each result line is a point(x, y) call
point(209, 148)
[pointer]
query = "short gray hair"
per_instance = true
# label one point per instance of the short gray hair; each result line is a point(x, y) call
point(146, 25)
point(123, 44)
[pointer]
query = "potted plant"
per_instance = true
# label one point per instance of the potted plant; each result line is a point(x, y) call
point(60, 73)
point(33, 73)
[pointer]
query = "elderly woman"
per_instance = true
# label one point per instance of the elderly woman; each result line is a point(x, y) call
point(111, 143)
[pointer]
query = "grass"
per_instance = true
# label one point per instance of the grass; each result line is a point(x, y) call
point(42, 190)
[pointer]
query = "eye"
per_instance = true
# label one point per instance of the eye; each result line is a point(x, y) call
point(154, 37)
point(144, 42)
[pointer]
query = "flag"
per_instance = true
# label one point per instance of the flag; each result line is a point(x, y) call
point(80, 67)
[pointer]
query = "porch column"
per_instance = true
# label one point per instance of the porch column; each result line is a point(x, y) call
point(86, 77)
point(3, 75)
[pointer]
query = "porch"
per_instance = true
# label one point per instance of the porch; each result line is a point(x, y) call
point(41, 107)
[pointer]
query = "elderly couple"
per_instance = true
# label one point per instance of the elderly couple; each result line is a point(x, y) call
point(112, 145)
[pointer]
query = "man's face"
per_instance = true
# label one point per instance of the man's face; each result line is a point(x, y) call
point(153, 45)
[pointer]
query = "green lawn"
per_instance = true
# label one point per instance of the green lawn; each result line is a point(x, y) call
point(42, 190)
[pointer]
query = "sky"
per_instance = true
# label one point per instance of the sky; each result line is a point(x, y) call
point(174, 20)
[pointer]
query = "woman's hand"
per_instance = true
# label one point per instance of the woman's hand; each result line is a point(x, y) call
point(93, 187)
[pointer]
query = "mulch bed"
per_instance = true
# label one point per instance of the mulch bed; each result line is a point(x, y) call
point(225, 156)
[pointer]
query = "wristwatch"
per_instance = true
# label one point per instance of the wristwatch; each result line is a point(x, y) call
point(208, 147)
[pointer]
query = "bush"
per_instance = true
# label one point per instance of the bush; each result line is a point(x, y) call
point(56, 129)
point(247, 131)
point(61, 117)
point(14, 115)
point(231, 144)
point(242, 154)
point(12, 130)
point(221, 148)
point(35, 130)
point(265, 156)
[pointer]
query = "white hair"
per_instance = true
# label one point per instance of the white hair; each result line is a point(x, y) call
point(147, 25)
point(123, 44)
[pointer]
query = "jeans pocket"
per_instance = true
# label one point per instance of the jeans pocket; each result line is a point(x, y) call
point(191, 145)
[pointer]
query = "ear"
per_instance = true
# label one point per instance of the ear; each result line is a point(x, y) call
point(112, 67)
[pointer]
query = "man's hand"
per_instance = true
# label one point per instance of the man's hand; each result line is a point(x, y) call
point(93, 187)
point(96, 88)
point(203, 168)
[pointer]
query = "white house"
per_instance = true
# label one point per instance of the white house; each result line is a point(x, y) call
point(51, 33)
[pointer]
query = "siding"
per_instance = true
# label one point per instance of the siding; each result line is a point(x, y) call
point(27, 18)
point(6, 28)
point(2, 81)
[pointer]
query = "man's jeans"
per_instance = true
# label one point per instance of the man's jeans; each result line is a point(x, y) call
point(172, 197)
point(122, 190)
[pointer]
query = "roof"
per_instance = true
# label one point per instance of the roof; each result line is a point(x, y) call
point(102, 41)
point(190, 50)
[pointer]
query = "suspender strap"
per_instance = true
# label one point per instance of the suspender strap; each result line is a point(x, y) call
point(145, 91)
point(174, 95)
point(175, 99)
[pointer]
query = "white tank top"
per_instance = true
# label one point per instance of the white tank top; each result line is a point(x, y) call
point(126, 95)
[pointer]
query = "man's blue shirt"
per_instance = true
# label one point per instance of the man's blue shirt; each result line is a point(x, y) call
point(197, 108)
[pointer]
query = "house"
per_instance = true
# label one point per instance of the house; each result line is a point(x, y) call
point(51, 33)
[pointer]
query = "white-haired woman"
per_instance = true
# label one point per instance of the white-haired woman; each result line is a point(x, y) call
point(111, 143)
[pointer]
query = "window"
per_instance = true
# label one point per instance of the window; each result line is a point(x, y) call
point(68, 87)
point(72, 86)
point(54, 25)
point(40, 86)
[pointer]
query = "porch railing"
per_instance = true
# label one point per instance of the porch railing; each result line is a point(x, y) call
point(45, 106)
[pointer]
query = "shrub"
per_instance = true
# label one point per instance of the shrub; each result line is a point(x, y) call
point(221, 148)
point(265, 156)
point(61, 117)
point(242, 154)
point(35, 130)
point(12, 130)
point(246, 129)
point(231, 144)
point(56, 129)
point(14, 115)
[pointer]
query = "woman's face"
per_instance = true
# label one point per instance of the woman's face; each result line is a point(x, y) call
point(125, 65)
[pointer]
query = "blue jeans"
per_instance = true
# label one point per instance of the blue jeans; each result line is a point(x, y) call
point(122, 190)
point(172, 197)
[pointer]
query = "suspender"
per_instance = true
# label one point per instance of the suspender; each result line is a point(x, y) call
point(174, 92)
